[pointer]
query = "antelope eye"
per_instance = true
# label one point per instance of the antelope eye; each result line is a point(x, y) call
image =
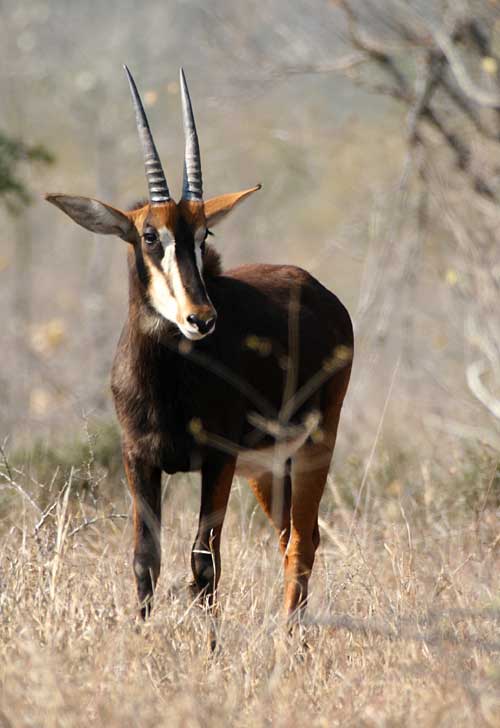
point(150, 237)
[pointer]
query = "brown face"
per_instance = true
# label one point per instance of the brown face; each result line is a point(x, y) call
point(172, 238)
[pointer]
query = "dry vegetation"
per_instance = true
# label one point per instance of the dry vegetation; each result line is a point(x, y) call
point(403, 619)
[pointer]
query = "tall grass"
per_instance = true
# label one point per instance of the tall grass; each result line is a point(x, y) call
point(402, 627)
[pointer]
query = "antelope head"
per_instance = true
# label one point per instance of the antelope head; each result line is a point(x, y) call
point(168, 237)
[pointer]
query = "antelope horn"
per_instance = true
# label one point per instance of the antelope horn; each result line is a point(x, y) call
point(157, 183)
point(192, 185)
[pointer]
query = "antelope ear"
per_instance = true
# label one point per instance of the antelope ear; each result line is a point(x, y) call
point(218, 207)
point(95, 216)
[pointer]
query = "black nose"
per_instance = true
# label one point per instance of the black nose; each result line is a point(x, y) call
point(203, 326)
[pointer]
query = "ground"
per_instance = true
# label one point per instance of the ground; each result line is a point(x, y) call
point(402, 624)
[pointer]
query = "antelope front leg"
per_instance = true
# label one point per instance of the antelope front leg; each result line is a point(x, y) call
point(216, 478)
point(145, 486)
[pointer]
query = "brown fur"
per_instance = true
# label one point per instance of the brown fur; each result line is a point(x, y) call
point(188, 406)
point(278, 360)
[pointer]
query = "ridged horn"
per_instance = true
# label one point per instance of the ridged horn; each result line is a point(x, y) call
point(157, 183)
point(192, 185)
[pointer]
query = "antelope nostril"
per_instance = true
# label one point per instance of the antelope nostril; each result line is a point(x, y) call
point(209, 325)
point(204, 327)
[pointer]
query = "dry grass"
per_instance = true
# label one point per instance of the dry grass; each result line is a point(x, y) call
point(404, 619)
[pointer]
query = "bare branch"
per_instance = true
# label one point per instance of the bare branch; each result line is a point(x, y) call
point(445, 42)
point(427, 84)
point(91, 521)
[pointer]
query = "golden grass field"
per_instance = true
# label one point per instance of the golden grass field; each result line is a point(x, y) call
point(403, 620)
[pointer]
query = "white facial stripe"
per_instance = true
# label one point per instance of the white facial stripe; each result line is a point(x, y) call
point(177, 284)
point(160, 295)
point(199, 237)
point(199, 259)
point(166, 236)
point(170, 299)
point(168, 260)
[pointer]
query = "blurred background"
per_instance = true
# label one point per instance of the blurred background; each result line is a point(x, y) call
point(374, 128)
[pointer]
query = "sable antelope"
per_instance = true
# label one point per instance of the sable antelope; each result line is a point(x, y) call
point(216, 371)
